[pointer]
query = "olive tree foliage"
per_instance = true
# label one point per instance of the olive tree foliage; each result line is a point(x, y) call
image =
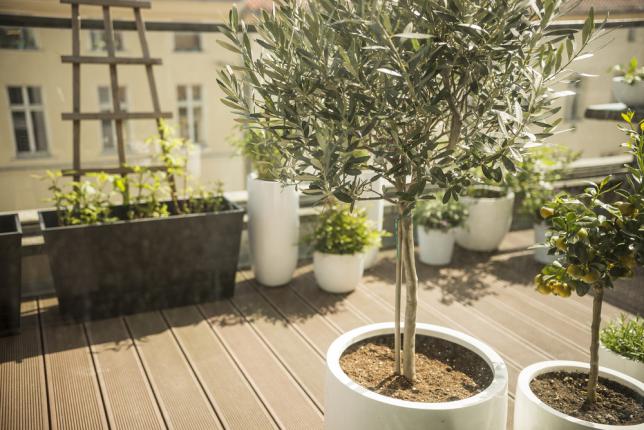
point(417, 92)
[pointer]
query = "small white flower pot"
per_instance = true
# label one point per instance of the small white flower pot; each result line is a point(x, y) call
point(541, 254)
point(530, 413)
point(614, 361)
point(435, 247)
point(488, 221)
point(338, 273)
point(273, 231)
point(630, 95)
point(375, 210)
point(349, 406)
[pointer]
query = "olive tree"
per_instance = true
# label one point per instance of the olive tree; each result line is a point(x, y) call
point(417, 92)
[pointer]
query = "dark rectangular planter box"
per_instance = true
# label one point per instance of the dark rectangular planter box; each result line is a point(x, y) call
point(133, 266)
point(10, 258)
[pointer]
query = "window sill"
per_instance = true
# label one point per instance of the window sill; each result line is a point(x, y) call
point(32, 155)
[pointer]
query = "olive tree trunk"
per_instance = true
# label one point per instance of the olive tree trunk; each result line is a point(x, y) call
point(411, 283)
point(593, 375)
point(399, 275)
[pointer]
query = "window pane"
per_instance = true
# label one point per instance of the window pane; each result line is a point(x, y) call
point(97, 40)
point(15, 95)
point(28, 39)
point(118, 41)
point(181, 93)
point(34, 95)
point(122, 97)
point(40, 135)
point(183, 123)
point(104, 96)
point(197, 124)
point(17, 38)
point(196, 92)
point(187, 42)
point(20, 131)
point(107, 132)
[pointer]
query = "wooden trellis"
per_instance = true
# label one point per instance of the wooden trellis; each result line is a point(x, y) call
point(117, 115)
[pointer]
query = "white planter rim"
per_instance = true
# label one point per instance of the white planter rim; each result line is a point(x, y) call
point(494, 361)
point(505, 194)
point(621, 80)
point(253, 176)
point(536, 369)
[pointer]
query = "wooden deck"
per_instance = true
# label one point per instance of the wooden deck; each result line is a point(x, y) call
point(257, 361)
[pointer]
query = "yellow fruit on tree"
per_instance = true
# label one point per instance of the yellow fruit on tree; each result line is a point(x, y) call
point(560, 243)
point(543, 289)
point(575, 271)
point(624, 207)
point(582, 233)
point(546, 212)
point(591, 277)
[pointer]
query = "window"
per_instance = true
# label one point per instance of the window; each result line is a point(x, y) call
point(17, 38)
point(28, 118)
point(108, 131)
point(187, 42)
point(98, 40)
point(190, 106)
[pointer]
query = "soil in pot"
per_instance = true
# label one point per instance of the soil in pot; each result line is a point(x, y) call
point(445, 371)
point(566, 392)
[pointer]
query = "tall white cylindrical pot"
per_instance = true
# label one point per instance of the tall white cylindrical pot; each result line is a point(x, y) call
point(614, 361)
point(435, 247)
point(273, 230)
point(338, 273)
point(541, 254)
point(350, 406)
point(530, 413)
point(487, 223)
point(630, 95)
point(375, 210)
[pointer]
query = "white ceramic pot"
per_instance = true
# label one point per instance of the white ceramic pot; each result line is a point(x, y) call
point(530, 413)
point(435, 247)
point(630, 95)
point(273, 230)
point(338, 273)
point(488, 221)
point(375, 210)
point(350, 406)
point(614, 361)
point(541, 254)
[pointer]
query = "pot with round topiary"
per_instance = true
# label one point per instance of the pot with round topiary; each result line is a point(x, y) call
point(622, 346)
point(418, 93)
point(435, 227)
point(273, 211)
point(339, 241)
point(596, 243)
point(628, 83)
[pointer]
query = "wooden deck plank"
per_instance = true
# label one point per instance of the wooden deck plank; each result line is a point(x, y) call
point(181, 398)
point(23, 396)
point(122, 377)
point(284, 398)
point(235, 400)
point(74, 393)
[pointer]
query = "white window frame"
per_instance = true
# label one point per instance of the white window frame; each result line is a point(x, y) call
point(104, 49)
point(28, 108)
point(28, 29)
point(109, 107)
point(190, 104)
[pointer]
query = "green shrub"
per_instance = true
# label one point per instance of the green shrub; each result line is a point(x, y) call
point(341, 231)
point(630, 72)
point(625, 337)
point(436, 215)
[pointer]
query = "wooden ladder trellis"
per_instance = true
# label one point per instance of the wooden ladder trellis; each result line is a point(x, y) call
point(117, 115)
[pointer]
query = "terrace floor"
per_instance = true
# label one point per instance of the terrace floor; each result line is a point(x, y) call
point(257, 361)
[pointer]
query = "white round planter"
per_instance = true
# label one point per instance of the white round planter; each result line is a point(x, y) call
point(435, 247)
point(350, 406)
point(273, 230)
point(541, 254)
point(630, 95)
point(338, 273)
point(530, 413)
point(375, 210)
point(488, 221)
point(614, 361)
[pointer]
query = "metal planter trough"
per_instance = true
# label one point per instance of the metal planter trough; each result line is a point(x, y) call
point(132, 266)
point(10, 274)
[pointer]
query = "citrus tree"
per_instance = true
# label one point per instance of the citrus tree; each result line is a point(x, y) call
point(417, 92)
point(597, 242)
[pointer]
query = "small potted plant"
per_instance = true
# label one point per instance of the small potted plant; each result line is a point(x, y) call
point(597, 243)
point(628, 83)
point(435, 226)
point(489, 217)
point(10, 264)
point(622, 346)
point(273, 211)
point(339, 241)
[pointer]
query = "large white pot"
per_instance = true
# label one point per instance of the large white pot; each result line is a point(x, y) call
point(488, 221)
point(614, 361)
point(273, 230)
point(352, 407)
point(541, 254)
point(530, 413)
point(338, 273)
point(435, 247)
point(630, 95)
point(375, 210)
